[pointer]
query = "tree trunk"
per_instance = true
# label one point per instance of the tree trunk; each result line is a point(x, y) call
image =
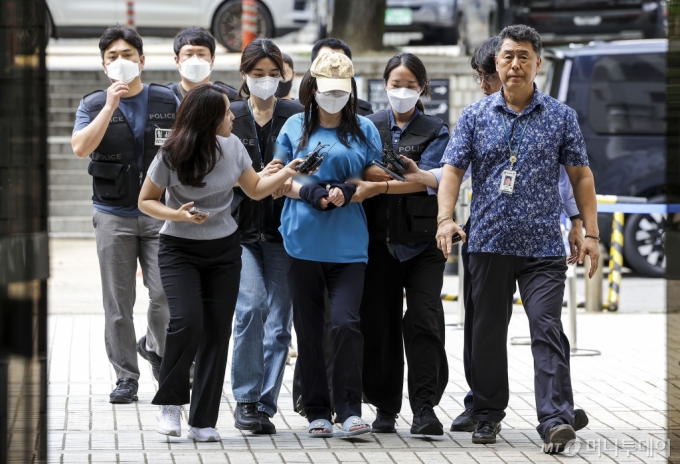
point(360, 23)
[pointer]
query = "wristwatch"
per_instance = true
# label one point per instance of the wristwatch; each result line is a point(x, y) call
point(574, 217)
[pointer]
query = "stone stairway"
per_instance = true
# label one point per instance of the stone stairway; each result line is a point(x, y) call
point(70, 186)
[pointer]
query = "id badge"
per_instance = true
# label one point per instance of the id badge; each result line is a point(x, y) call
point(161, 136)
point(508, 182)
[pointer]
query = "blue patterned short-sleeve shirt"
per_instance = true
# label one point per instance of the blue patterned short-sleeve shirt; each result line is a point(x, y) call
point(526, 222)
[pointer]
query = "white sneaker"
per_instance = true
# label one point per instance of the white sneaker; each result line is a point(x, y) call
point(204, 434)
point(169, 421)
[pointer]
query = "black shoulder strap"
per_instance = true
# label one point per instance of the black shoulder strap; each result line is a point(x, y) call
point(364, 108)
point(240, 108)
point(382, 122)
point(161, 94)
point(426, 126)
point(175, 89)
point(95, 101)
point(233, 93)
point(287, 108)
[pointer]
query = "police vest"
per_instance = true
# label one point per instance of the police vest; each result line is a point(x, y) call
point(117, 173)
point(411, 217)
point(233, 93)
point(259, 220)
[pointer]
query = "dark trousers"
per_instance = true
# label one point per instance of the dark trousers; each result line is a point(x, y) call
point(327, 354)
point(201, 279)
point(469, 317)
point(307, 281)
point(541, 285)
point(389, 332)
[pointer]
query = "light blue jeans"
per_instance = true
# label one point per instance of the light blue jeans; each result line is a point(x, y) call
point(264, 315)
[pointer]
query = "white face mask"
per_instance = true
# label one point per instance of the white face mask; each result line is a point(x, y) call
point(194, 69)
point(331, 103)
point(123, 70)
point(403, 100)
point(262, 87)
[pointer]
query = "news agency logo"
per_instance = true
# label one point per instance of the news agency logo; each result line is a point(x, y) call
point(616, 448)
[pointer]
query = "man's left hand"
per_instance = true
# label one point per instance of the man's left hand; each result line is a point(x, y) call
point(590, 247)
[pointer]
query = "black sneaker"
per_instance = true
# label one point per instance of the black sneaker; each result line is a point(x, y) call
point(425, 422)
point(465, 422)
point(125, 391)
point(558, 437)
point(150, 356)
point(247, 417)
point(580, 419)
point(384, 422)
point(486, 432)
point(267, 427)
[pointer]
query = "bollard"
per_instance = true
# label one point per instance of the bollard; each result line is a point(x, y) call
point(594, 285)
point(248, 22)
point(615, 261)
point(571, 293)
point(131, 14)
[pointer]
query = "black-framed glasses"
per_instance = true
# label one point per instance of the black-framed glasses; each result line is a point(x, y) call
point(488, 78)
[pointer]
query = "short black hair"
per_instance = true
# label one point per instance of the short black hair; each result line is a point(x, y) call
point(194, 36)
point(289, 61)
point(521, 33)
point(118, 32)
point(483, 56)
point(331, 42)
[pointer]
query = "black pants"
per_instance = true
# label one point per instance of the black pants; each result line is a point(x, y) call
point(388, 331)
point(307, 281)
point(469, 317)
point(541, 285)
point(327, 354)
point(201, 279)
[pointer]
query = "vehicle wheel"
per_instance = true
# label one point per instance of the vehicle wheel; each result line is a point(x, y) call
point(644, 240)
point(227, 24)
point(463, 42)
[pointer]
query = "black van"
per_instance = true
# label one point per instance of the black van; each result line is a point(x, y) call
point(618, 90)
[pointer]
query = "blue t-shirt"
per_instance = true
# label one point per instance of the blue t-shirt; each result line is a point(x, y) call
point(339, 235)
point(526, 222)
point(135, 111)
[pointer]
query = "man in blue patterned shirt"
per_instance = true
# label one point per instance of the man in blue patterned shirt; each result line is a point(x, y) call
point(515, 140)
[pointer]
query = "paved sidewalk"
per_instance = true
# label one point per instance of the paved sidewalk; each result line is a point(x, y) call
point(623, 391)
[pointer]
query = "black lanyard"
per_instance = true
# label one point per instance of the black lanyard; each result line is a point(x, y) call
point(271, 125)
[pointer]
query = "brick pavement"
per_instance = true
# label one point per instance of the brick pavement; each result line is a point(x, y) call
point(623, 391)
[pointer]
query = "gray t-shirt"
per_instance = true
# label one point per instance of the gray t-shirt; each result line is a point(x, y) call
point(215, 197)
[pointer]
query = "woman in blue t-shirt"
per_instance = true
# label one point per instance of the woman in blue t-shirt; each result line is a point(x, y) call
point(325, 233)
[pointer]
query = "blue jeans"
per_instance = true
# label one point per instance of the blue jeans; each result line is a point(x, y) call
point(264, 317)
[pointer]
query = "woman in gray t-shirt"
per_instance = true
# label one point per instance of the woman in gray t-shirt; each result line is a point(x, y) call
point(199, 252)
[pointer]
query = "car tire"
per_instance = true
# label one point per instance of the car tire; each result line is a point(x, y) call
point(643, 242)
point(449, 35)
point(226, 25)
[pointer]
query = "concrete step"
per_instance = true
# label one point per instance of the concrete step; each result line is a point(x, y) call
point(70, 208)
point(61, 115)
point(73, 226)
point(60, 146)
point(70, 192)
point(60, 129)
point(67, 162)
point(69, 177)
point(62, 100)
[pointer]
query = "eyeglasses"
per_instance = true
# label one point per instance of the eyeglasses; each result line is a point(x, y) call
point(488, 78)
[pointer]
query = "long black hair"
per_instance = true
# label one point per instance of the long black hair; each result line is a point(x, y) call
point(192, 149)
point(349, 125)
point(416, 66)
point(254, 52)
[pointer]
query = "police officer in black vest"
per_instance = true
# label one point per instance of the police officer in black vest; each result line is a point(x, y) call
point(403, 254)
point(121, 129)
point(195, 58)
point(263, 318)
